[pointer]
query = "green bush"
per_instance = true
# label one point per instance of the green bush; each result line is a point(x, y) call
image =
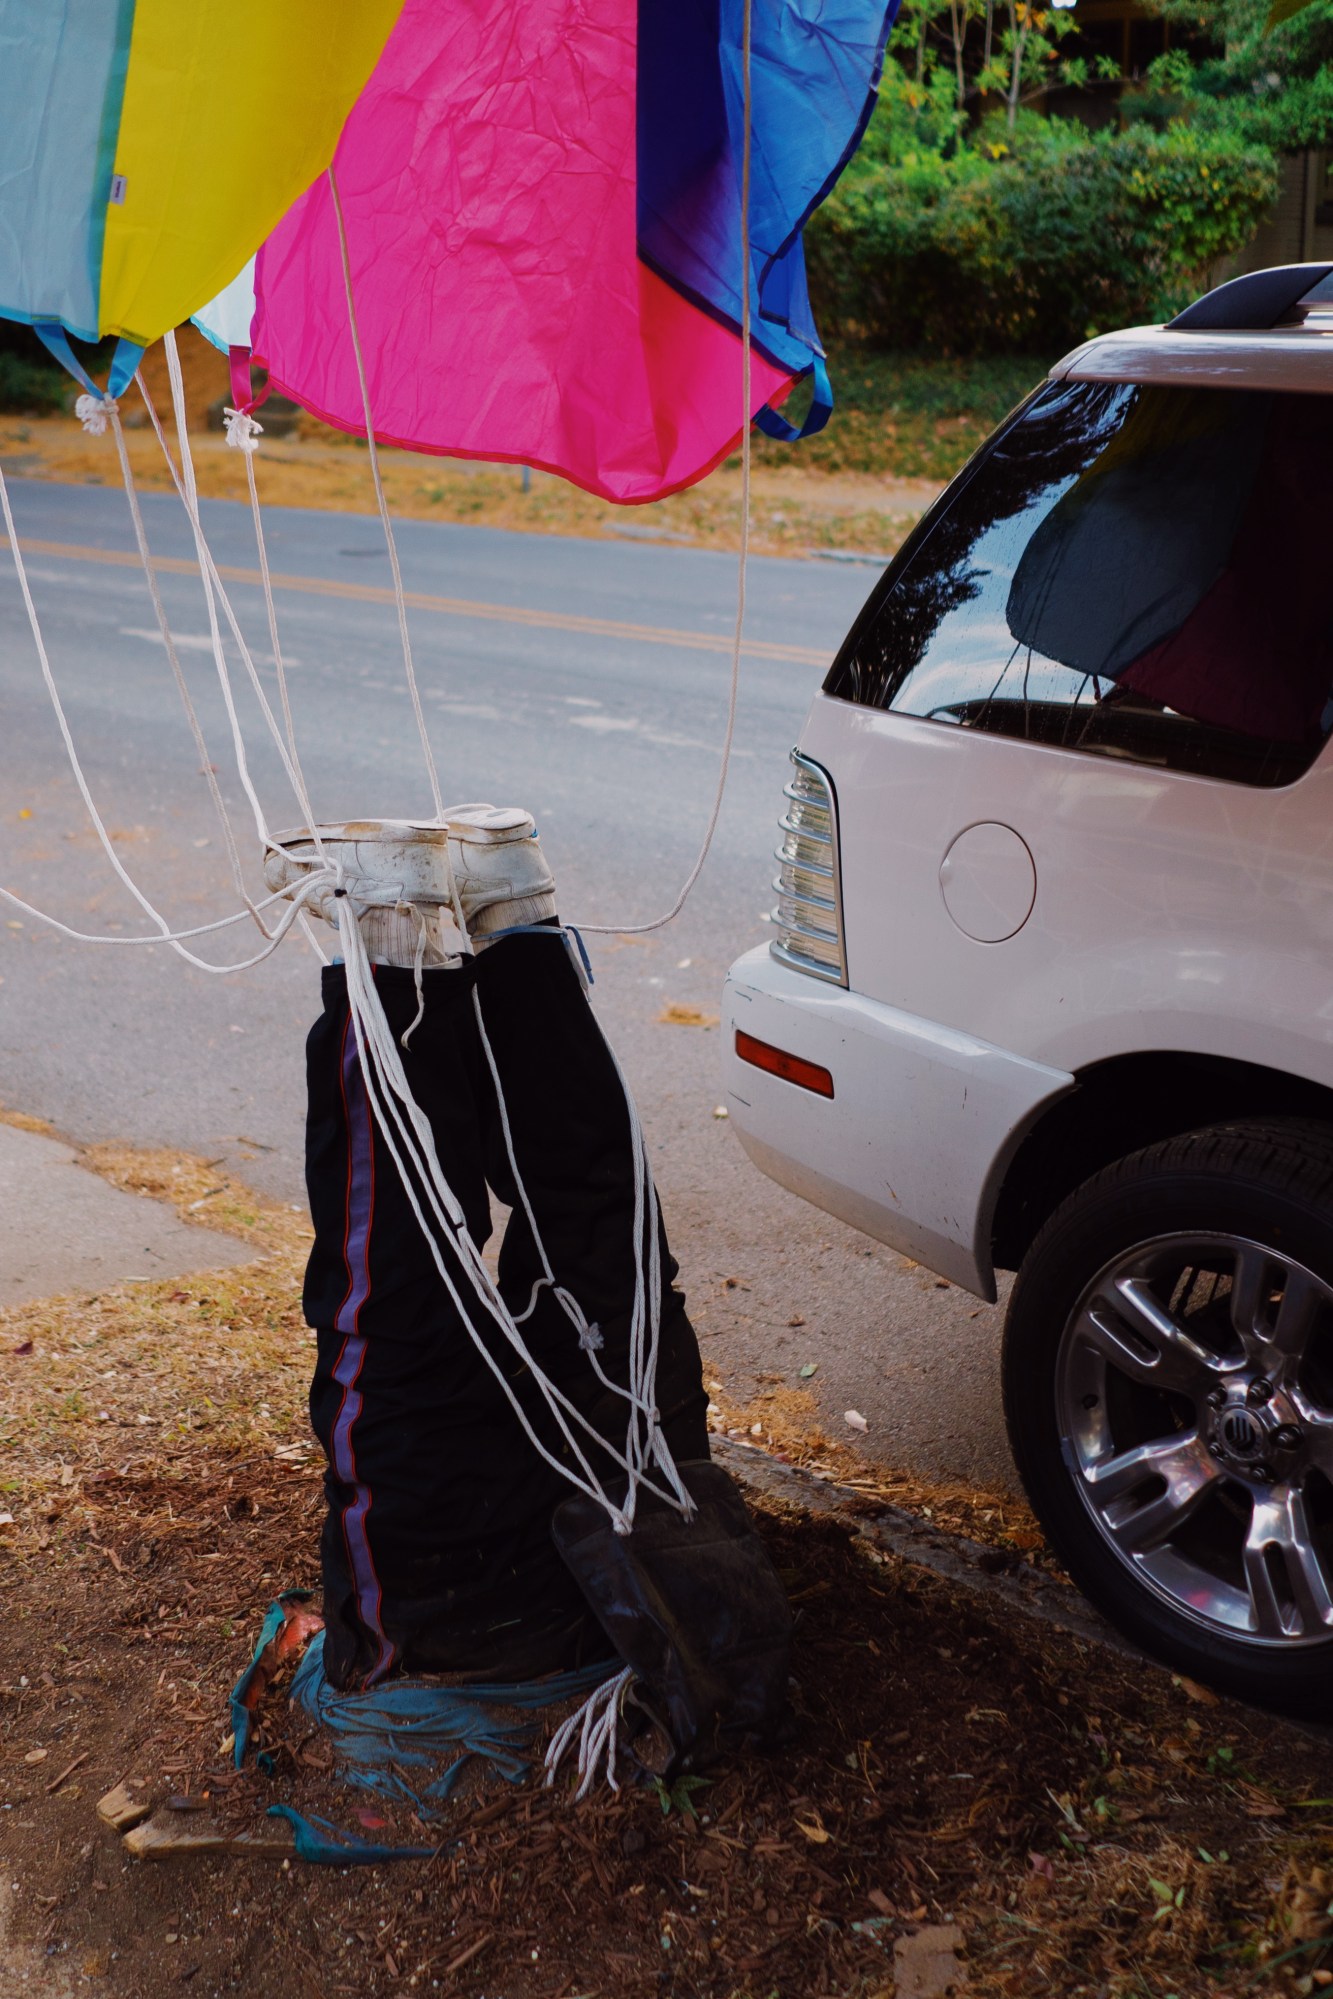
point(1030, 241)
point(29, 387)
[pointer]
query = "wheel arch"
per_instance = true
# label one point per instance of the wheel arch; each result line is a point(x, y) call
point(1122, 1104)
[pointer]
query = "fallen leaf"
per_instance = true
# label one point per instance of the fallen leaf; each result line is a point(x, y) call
point(815, 1833)
point(675, 1014)
point(926, 1965)
point(854, 1419)
point(1193, 1691)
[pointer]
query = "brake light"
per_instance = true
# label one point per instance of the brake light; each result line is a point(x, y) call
point(791, 1068)
point(808, 918)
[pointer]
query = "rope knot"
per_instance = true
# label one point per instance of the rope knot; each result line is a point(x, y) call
point(95, 413)
point(590, 1338)
point(243, 430)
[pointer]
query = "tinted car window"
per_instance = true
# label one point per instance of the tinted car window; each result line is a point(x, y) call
point(1130, 571)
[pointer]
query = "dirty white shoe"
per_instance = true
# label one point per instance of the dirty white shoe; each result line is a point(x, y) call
point(499, 869)
point(396, 874)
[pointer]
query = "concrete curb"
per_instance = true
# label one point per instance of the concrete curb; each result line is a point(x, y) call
point(1011, 1585)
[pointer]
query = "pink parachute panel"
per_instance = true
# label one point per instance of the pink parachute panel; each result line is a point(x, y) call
point(487, 176)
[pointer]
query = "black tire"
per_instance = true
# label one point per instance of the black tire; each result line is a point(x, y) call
point(1264, 1183)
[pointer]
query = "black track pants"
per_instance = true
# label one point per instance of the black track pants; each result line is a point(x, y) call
point(437, 1553)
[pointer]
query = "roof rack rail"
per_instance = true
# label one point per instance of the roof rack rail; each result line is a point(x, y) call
point(1250, 304)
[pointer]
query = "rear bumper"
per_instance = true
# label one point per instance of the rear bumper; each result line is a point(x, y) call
point(913, 1145)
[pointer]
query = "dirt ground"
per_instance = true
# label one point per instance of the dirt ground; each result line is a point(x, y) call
point(794, 510)
point(1077, 1823)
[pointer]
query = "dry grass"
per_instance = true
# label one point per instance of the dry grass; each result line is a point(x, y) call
point(133, 1375)
point(786, 1422)
point(793, 509)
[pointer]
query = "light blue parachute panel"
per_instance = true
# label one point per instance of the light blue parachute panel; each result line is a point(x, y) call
point(225, 320)
point(62, 79)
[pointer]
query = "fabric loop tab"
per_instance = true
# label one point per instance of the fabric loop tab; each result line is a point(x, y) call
point(124, 366)
point(821, 409)
point(56, 341)
point(124, 361)
point(243, 392)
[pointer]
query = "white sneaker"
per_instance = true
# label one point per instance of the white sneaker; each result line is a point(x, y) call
point(396, 875)
point(499, 869)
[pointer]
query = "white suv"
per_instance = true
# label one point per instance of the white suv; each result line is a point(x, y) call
point(1051, 987)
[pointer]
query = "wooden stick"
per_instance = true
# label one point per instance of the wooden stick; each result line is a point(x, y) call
point(68, 1771)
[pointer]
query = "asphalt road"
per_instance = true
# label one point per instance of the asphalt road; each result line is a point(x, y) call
point(585, 680)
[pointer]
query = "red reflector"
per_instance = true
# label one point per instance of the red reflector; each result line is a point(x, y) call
point(791, 1068)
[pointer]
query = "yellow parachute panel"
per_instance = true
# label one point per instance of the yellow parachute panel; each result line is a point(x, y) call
point(231, 109)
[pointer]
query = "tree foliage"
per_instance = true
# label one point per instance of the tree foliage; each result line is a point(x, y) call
point(1270, 82)
point(1035, 245)
point(970, 222)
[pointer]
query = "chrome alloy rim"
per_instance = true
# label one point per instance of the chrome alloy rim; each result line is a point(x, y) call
point(1194, 1394)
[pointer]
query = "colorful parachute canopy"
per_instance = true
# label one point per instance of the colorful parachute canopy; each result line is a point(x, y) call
point(542, 204)
point(542, 208)
point(148, 146)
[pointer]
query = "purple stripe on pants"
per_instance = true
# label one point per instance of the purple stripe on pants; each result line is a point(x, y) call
point(356, 1251)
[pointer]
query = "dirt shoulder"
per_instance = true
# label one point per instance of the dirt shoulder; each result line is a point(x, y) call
point(1086, 1823)
point(795, 509)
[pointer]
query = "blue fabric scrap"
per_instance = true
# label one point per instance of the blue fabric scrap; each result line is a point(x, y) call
point(387, 1735)
point(241, 1717)
point(329, 1846)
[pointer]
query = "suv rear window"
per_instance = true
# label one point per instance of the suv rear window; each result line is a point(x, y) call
point(1129, 571)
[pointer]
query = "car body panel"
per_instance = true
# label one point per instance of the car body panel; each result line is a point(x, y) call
point(912, 1145)
point(1294, 357)
point(1171, 911)
point(1015, 913)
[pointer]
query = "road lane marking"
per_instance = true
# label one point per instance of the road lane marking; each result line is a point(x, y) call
point(449, 607)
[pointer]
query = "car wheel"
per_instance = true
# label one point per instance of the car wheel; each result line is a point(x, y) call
point(1168, 1384)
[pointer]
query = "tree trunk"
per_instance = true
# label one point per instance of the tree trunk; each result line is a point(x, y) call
point(1020, 18)
point(958, 25)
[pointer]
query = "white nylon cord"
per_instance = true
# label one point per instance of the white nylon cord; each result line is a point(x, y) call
point(597, 1725)
point(375, 1042)
point(186, 486)
point(173, 936)
point(219, 658)
point(404, 1125)
point(381, 502)
point(646, 1315)
point(178, 671)
point(165, 933)
point(733, 693)
point(381, 1064)
point(279, 663)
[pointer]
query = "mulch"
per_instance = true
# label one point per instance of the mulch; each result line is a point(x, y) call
point(1093, 1826)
